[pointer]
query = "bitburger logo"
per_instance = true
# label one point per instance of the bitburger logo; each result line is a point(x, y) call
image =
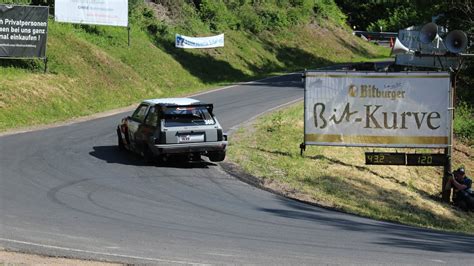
point(353, 90)
point(371, 91)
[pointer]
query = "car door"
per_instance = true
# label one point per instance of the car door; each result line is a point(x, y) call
point(134, 123)
point(146, 130)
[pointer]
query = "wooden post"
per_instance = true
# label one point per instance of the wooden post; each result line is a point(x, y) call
point(446, 194)
point(128, 30)
point(45, 60)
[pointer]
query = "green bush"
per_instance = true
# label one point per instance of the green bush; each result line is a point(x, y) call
point(217, 15)
point(249, 19)
point(327, 9)
point(399, 16)
point(273, 17)
point(252, 16)
point(15, 2)
point(464, 122)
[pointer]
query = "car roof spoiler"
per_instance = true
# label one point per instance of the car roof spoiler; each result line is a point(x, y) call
point(208, 106)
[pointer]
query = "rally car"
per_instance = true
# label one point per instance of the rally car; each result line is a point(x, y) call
point(161, 128)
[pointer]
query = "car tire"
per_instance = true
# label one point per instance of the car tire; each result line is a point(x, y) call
point(148, 156)
point(217, 156)
point(120, 144)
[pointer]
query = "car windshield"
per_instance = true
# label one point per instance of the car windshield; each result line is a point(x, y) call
point(187, 116)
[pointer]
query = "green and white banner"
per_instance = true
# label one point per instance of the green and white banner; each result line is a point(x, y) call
point(377, 109)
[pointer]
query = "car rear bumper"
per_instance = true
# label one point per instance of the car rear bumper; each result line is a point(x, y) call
point(190, 147)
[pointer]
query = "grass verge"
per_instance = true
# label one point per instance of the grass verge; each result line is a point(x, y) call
point(337, 177)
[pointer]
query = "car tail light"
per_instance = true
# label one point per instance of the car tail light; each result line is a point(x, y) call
point(219, 135)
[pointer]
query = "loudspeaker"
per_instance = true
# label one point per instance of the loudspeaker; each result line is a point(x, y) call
point(428, 32)
point(399, 48)
point(456, 41)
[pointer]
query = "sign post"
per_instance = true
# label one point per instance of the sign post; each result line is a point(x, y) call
point(446, 194)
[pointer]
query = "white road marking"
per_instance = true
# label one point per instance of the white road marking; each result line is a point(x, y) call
point(101, 253)
point(220, 254)
point(439, 261)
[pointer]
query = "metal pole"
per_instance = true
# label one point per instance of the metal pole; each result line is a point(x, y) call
point(45, 60)
point(446, 194)
point(303, 145)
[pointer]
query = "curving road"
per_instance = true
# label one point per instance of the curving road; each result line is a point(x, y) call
point(67, 191)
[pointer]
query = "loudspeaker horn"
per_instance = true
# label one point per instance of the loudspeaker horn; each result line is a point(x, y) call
point(428, 32)
point(399, 48)
point(456, 41)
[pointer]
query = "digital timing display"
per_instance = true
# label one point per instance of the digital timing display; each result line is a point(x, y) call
point(427, 159)
point(409, 159)
point(385, 158)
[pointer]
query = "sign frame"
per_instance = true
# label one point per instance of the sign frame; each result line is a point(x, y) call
point(387, 141)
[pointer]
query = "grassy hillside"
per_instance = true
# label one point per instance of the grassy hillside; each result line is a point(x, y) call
point(92, 69)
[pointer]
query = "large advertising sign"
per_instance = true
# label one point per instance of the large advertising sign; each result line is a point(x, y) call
point(98, 12)
point(182, 41)
point(23, 31)
point(377, 109)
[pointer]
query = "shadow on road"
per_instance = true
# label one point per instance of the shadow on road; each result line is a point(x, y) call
point(111, 154)
point(390, 234)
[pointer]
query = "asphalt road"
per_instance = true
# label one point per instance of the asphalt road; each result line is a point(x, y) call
point(68, 192)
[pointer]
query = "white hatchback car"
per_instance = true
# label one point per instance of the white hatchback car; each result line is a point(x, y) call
point(159, 128)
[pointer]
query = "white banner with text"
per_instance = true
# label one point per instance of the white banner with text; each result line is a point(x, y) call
point(182, 41)
point(377, 109)
point(97, 12)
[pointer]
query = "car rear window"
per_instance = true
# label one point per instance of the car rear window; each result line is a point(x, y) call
point(187, 116)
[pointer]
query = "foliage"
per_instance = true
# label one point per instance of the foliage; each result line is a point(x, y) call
point(464, 122)
point(257, 16)
point(15, 2)
point(390, 15)
point(217, 15)
point(327, 9)
point(400, 15)
point(376, 15)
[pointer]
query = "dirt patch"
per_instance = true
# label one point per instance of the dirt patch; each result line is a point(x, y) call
point(16, 258)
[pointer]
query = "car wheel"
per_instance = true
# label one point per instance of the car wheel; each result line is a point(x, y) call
point(217, 156)
point(148, 156)
point(120, 143)
point(195, 157)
